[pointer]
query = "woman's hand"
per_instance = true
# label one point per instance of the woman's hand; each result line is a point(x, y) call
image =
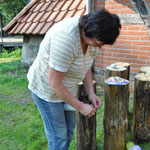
point(87, 109)
point(88, 85)
point(95, 100)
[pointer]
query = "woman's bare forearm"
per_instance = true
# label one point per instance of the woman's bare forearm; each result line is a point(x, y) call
point(88, 83)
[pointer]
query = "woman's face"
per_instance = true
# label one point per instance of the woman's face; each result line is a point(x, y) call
point(93, 42)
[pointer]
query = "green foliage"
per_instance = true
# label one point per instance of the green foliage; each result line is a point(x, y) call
point(11, 54)
point(11, 8)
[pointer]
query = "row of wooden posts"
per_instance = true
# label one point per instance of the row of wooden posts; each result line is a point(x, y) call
point(116, 111)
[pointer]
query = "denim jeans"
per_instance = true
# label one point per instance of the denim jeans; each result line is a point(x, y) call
point(59, 125)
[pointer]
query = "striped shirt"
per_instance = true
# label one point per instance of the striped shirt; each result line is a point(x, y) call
point(61, 50)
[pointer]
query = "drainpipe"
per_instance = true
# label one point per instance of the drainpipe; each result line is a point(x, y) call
point(88, 6)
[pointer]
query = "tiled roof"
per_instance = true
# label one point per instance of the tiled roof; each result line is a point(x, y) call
point(39, 15)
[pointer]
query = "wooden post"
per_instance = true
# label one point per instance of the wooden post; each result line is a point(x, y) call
point(126, 76)
point(114, 70)
point(115, 115)
point(86, 126)
point(140, 129)
point(126, 65)
point(144, 69)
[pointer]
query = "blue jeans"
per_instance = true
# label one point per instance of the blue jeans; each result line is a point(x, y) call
point(59, 125)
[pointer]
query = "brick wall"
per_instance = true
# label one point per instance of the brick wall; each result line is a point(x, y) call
point(133, 44)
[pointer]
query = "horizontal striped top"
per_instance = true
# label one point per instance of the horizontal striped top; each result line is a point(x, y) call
point(61, 50)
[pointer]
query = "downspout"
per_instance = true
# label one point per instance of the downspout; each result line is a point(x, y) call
point(88, 6)
point(88, 10)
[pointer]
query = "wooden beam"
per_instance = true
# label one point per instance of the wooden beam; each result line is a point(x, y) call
point(92, 5)
point(143, 9)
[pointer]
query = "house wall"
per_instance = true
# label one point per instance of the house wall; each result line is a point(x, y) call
point(133, 44)
point(30, 48)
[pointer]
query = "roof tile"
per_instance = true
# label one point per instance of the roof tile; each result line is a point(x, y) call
point(80, 12)
point(32, 17)
point(32, 27)
point(46, 27)
point(15, 27)
point(25, 28)
point(38, 28)
point(70, 14)
point(75, 4)
point(45, 6)
point(25, 18)
point(53, 16)
point(67, 5)
point(39, 6)
point(19, 28)
point(52, 5)
point(45, 16)
point(33, 7)
point(82, 5)
point(60, 16)
point(59, 5)
point(39, 15)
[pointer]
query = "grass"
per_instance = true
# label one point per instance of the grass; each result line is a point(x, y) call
point(21, 127)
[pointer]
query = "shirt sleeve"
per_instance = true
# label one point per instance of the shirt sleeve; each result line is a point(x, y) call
point(61, 51)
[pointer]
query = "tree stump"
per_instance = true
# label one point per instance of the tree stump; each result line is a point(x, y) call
point(145, 69)
point(140, 129)
point(86, 126)
point(126, 65)
point(115, 115)
point(114, 70)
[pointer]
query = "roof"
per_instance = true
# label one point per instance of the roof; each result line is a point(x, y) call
point(39, 15)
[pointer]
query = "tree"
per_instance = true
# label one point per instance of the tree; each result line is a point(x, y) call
point(10, 8)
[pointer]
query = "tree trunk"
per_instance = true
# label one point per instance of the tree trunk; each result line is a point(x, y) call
point(114, 70)
point(115, 116)
point(140, 130)
point(86, 126)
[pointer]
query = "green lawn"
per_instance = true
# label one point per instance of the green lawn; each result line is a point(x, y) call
point(21, 126)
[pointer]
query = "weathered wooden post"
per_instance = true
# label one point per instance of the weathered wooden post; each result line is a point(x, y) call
point(126, 65)
point(86, 126)
point(127, 75)
point(144, 69)
point(140, 129)
point(114, 70)
point(115, 115)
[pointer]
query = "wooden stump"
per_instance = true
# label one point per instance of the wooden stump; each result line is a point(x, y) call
point(115, 115)
point(145, 69)
point(126, 65)
point(114, 70)
point(140, 130)
point(86, 126)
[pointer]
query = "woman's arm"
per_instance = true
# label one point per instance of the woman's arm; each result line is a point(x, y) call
point(56, 84)
point(88, 85)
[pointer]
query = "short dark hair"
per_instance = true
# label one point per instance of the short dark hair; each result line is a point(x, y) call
point(102, 25)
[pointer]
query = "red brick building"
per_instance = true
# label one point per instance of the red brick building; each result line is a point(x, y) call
point(133, 44)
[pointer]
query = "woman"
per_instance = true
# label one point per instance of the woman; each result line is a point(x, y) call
point(64, 59)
